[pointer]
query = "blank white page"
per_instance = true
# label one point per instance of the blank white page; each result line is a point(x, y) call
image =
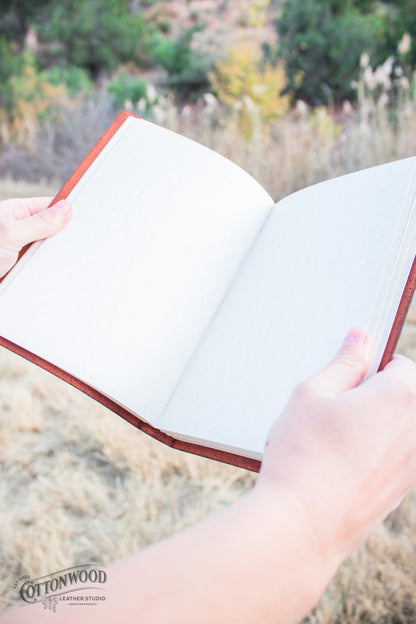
point(121, 296)
point(315, 270)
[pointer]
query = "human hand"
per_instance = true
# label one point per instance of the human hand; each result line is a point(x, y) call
point(23, 221)
point(345, 453)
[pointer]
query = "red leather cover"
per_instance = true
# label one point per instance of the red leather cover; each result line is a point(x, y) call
point(400, 317)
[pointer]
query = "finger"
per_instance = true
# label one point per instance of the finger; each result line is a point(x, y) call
point(27, 206)
point(399, 361)
point(36, 204)
point(399, 375)
point(349, 365)
point(42, 224)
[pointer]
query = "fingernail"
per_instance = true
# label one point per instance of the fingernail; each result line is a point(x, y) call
point(356, 335)
point(63, 206)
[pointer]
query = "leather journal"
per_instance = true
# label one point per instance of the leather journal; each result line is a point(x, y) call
point(188, 302)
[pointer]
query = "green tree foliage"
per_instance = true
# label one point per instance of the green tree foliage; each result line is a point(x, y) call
point(338, 7)
point(187, 69)
point(17, 15)
point(125, 88)
point(82, 39)
point(320, 42)
point(97, 35)
point(94, 35)
point(404, 21)
point(174, 56)
point(10, 64)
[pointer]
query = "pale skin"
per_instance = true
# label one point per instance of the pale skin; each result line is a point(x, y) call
point(338, 459)
point(23, 221)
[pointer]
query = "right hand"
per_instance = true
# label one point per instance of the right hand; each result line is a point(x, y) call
point(345, 452)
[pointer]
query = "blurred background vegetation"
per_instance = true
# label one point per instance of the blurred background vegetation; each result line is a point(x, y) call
point(247, 78)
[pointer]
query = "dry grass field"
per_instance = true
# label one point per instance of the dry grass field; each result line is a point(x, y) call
point(79, 484)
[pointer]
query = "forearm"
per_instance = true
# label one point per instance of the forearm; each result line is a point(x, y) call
point(253, 562)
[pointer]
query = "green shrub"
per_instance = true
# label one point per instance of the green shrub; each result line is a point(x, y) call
point(11, 63)
point(75, 79)
point(404, 21)
point(174, 55)
point(125, 88)
point(320, 42)
point(187, 70)
point(163, 25)
point(28, 98)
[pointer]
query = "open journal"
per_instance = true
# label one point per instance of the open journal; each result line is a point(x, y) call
point(184, 299)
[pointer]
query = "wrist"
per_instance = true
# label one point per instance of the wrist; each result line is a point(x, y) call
point(310, 560)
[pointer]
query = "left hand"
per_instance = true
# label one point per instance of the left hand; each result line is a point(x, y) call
point(23, 221)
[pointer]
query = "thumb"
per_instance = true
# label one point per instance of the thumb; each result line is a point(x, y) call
point(43, 223)
point(349, 365)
